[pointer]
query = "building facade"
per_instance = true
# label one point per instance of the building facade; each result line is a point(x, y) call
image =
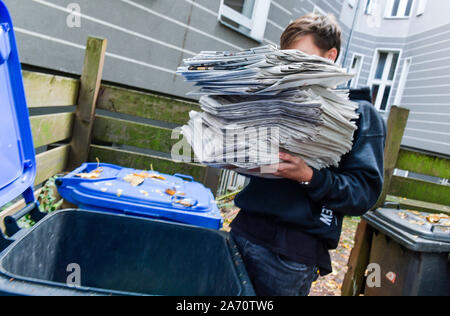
point(400, 48)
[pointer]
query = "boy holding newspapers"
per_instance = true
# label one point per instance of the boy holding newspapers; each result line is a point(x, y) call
point(286, 227)
point(330, 163)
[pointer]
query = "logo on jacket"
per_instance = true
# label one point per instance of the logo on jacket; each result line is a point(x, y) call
point(327, 216)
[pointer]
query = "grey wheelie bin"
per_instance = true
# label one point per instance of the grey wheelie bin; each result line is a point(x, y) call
point(412, 250)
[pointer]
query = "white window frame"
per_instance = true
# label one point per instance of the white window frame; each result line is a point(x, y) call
point(354, 82)
point(403, 79)
point(383, 82)
point(402, 8)
point(368, 10)
point(421, 7)
point(256, 24)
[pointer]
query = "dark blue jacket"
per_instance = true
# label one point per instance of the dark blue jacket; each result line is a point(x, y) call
point(318, 209)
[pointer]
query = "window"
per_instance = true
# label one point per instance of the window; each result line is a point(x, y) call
point(355, 69)
point(248, 17)
point(369, 7)
point(399, 8)
point(402, 84)
point(382, 77)
point(422, 6)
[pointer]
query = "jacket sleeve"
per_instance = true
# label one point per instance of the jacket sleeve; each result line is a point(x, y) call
point(354, 187)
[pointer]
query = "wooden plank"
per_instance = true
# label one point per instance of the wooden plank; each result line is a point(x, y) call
point(52, 128)
point(398, 118)
point(358, 261)
point(13, 209)
point(85, 113)
point(423, 164)
point(414, 205)
point(51, 162)
point(117, 131)
point(142, 161)
point(212, 179)
point(44, 90)
point(145, 105)
point(420, 190)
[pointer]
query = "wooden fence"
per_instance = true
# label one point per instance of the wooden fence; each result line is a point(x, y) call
point(134, 129)
point(66, 138)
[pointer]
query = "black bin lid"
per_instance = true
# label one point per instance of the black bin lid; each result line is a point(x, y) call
point(418, 231)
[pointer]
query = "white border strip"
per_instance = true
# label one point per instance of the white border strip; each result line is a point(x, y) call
point(282, 8)
point(424, 140)
point(115, 27)
point(428, 122)
point(83, 47)
point(148, 10)
point(427, 131)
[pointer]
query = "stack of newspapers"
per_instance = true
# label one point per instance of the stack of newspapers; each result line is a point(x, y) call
point(261, 101)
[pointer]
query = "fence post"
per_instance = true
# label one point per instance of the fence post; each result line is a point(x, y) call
point(360, 255)
point(398, 119)
point(212, 179)
point(87, 99)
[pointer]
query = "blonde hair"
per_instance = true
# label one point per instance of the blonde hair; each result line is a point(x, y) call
point(324, 28)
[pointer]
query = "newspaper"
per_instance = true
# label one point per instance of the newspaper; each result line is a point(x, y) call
point(261, 101)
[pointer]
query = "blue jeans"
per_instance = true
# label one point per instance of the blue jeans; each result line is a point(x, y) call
point(272, 274)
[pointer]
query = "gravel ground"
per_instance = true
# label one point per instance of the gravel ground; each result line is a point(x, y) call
point(331, 284)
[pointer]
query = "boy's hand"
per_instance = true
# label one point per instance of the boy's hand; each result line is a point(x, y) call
point(294, 168)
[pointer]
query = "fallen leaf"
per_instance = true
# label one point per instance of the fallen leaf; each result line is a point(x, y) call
point(434, 219)
point(416, 223)
point(88, 175)
point(134, 180)
point(184, 203)
point(146, 175)
point(171, 192)
point(402, 215)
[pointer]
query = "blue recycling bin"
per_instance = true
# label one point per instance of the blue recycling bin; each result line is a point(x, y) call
point(116, 246)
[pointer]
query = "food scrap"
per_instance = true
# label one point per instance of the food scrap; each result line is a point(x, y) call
point(119, 192)
point(104, 189)
point(144, 192)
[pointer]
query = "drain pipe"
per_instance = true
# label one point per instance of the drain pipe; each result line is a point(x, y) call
point(355, 19)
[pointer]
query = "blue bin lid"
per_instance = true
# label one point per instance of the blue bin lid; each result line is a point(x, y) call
point(17, 155)
point(187, 201)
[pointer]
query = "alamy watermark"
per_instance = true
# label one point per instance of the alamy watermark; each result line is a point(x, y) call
point(74, 277)
point(74, 18)
point(374, 276)
point(252, 145)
